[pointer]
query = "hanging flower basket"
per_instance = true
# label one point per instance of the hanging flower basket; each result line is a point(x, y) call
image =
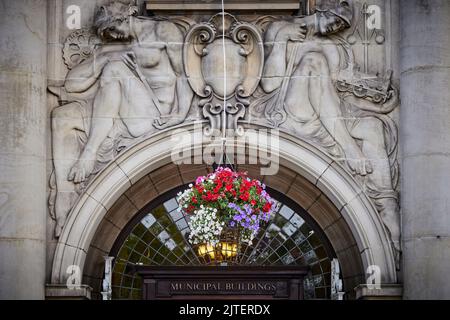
point(226, 208)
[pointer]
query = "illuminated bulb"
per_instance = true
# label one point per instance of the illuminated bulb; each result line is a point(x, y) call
point(206, 249)
point(228, 249)
point(223, 250)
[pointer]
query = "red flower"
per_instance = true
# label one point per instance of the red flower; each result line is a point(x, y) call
point(245, 196)
point(199, 188)
point(210, 197)
point(258, 189)
point(218, 187)
point(267, 207)
point(253, 203)
point(246, 184)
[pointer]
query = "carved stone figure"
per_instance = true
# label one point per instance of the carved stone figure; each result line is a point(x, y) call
point(131, 86)
point(312, 62)
point(369, 123)
point(309, 87)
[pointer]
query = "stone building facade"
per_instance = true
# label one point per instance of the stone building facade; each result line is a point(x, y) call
point(106, 104)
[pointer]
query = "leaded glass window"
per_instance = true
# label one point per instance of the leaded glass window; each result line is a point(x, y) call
point(160, 238)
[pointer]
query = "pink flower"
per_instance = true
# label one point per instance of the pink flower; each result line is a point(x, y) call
point(199, 180)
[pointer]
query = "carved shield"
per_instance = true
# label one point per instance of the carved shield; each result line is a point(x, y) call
point(223, 61)
point(223, 67)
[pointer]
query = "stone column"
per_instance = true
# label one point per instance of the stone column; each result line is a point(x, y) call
point(23, 56)
point(425, 137)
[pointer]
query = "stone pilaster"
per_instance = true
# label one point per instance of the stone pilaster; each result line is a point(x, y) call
point(23, 65)
point(425, 136)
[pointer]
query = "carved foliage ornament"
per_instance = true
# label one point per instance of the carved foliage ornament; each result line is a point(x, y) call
point(223, 60)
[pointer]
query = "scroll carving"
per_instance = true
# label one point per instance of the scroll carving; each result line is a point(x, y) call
point(223, 67)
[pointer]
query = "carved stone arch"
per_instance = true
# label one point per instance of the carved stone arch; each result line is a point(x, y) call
point(328, 192)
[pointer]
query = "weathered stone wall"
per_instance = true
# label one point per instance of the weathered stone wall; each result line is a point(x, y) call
point(425, 83)
point(23, 210)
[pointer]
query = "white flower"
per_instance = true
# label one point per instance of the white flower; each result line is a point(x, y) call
point(205, 226)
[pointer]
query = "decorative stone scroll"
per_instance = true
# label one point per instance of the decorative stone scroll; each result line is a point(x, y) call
point(223, 62)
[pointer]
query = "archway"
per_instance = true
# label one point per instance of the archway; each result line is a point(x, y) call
point(307, 176)
point(157, 236)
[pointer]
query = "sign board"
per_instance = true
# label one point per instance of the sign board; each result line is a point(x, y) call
point(220, 282)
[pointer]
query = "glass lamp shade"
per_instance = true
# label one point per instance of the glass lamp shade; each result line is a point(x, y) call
point(221, 252)
point(206, 249)
point(226, 250)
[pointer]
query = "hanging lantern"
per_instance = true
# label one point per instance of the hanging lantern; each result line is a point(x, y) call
point(226, 209)
point(206, 249)
point(226, 250)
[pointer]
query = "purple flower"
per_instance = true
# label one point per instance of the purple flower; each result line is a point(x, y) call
point(246, 218)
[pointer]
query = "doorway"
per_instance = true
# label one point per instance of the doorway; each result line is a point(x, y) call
point(290, 257)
